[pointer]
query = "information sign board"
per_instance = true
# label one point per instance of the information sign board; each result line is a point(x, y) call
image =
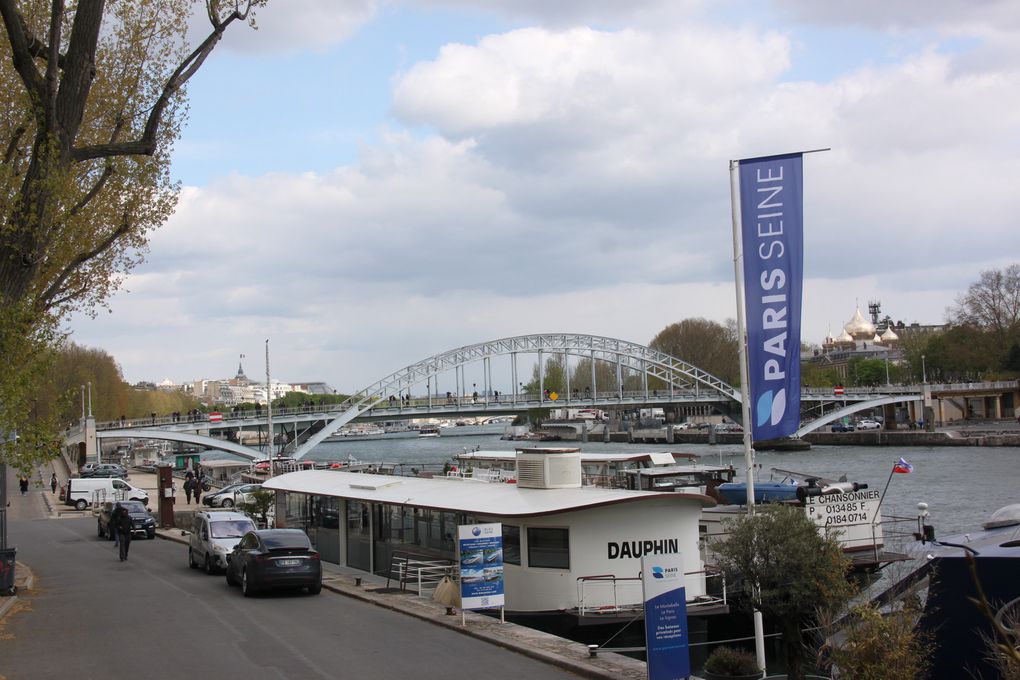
point(481, 566)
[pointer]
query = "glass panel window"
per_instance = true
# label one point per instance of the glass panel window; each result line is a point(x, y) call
point(549, 548)
point(511, 544)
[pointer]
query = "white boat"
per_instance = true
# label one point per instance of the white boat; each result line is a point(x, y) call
point(567, 548)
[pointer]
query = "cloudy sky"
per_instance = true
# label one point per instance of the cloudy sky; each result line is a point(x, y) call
point(367, 183)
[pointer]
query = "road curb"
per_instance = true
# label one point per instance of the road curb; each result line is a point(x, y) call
point(23, 580)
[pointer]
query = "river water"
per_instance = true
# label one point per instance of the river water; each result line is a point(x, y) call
point(961, 485)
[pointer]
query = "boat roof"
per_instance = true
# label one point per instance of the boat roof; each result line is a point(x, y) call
point(223, 463)
point(635, 457)
point(464, 495)
point(675, 470)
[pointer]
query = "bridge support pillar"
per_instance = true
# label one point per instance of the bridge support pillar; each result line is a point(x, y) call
point(584, 433)
point(669, 434)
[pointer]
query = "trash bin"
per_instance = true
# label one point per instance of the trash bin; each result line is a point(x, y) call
point(7, 571)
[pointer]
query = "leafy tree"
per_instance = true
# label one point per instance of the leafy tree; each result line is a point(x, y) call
point(708, 345)
point(92, 102)
point(554, 374)
point(991, 303)
point(873, 646)
point(867, 372)
point(262, 501)
point(605, 376)
point(787, 570)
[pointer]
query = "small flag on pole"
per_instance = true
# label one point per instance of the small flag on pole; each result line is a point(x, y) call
point(902, 466)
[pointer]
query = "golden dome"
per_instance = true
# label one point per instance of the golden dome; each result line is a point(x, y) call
point(889, 335)
point(859, 327)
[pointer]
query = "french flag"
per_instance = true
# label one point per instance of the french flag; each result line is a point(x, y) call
point(902, 466)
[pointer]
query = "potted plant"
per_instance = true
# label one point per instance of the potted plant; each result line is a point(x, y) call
point(728, 663)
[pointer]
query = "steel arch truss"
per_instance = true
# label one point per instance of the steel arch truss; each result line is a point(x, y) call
point(676, 373)
point(850, 409)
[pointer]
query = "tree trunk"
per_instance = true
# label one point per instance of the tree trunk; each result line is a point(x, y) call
point(793, 646)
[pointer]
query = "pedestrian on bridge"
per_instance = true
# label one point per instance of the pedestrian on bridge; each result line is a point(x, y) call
point(23, 484)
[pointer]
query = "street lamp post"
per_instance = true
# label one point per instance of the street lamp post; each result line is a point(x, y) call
point(924, 371)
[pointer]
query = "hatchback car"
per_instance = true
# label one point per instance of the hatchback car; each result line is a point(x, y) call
point(869, 425)
point(142, 521)
point(274, 558)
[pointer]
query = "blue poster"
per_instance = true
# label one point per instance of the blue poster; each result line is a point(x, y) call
point(481, 566)
point(666, 634)
point(772, 229)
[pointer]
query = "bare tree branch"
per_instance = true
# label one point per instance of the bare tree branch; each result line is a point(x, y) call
point(48, 300)
point(21, 55)
point(146, 144)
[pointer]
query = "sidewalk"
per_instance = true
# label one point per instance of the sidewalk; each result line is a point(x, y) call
point(571, 656)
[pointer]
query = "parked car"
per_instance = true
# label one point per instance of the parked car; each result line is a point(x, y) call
point(274, 558)
point(104, 470)
point(868, 425)
point(141, 521)
point(842, 427)
point(221, 498)
point(242, 494)
point(213, 535)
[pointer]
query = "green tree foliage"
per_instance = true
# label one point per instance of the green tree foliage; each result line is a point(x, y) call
point(786, 569)
point(90, 105)
point(605, 376)
point(708, 345)
point(553, 372)
point(298, 399)
point(873, 646)
point(262, 501)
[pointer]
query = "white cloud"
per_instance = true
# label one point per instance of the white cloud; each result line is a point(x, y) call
point(576, 180)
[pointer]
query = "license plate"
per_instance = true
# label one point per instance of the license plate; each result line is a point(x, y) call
point(288, 563)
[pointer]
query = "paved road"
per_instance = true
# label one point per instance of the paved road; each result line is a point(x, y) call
point(91, 616)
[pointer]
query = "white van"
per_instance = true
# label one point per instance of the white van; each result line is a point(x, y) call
point(213, 536)
point(82, 491)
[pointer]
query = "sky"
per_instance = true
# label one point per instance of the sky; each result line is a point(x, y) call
point(368, 183)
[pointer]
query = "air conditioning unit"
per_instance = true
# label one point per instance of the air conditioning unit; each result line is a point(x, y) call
point(548, 469)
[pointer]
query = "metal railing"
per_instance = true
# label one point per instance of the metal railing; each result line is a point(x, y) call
point(422, 572)
point(611, 594)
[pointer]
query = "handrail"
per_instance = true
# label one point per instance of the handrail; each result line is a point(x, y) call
point(632, 602)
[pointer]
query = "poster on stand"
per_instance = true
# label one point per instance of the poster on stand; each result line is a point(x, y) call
point(666, 634)
point(480, 547)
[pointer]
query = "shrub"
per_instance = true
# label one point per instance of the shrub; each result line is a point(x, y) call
point(731, 661)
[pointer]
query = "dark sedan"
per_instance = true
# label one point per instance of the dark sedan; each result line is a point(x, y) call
point(142, 521)
point(274, 558)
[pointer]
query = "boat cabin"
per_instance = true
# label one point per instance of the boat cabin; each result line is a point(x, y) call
point(566, 547)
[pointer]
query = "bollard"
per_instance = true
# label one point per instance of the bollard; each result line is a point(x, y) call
point(593, 651)
point(357, 580)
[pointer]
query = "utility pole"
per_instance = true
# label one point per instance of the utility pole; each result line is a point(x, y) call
point(269, 413)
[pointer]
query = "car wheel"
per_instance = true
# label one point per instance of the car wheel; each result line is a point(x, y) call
point(316, 589)
point(246, 587)
point(208, 566)
point(81, 504)
point(191, 560)
point(227, 503)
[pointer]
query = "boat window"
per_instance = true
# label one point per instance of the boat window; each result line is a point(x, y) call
point(549, 548)
point(511, 544)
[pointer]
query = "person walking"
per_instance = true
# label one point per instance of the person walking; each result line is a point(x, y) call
point(23, 484)
point(53, 482)
point(197, 490)
point(123, 524)
point(189, 484)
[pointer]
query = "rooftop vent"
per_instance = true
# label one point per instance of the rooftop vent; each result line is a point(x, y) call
point(548, 469)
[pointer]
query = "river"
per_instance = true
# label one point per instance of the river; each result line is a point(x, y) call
point(961, 485)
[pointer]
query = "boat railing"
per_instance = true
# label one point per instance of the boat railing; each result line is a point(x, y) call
point(419, 572)
point(603, 594)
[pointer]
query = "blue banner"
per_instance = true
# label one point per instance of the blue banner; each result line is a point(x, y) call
point(666, 634)
point(772, 231)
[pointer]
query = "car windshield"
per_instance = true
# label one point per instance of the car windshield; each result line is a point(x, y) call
point(286, 540)
point(234, 528)
point(133, 506)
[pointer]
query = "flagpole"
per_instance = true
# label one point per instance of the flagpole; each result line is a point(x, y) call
point(745, 399)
